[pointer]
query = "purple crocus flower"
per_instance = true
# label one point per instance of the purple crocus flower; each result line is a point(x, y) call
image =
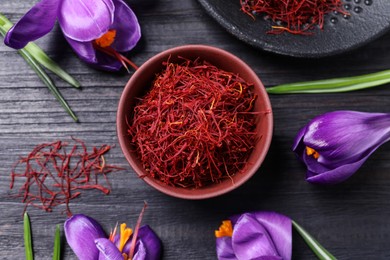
point(89, 242)
point(334, 145)
point(257, 235)
point(97, 30)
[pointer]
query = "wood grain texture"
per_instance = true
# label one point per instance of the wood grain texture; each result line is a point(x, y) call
point(350, 220)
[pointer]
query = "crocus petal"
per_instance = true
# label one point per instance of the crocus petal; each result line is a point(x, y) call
point(258, 235)
point(88, 54)
point(344, 135)
point(224, 249)
point(128, 31)
point(37, 22)
point(252, 237)
point(81, 232)
point(298, 145)
point(150, 241)
point(85, 20)
point(251, 241)
point(108, 250)
point(110, 5)
point(140, 252)
point(344, 140)
point(279, 228)
point(84, 50)
point(148, 244)
point(337, 175)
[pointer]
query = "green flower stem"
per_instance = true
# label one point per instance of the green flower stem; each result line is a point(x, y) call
point(57, 244)
point(46, 79)
point(27, 237)
point(40, 56)
point(34, 56)
point(317, 249)
point(48, 63)
point(334, 85)
point(3, 26)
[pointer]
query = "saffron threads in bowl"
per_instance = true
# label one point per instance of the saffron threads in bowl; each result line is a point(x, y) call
point(54, 174)
point(196, 126)
point(295, 16)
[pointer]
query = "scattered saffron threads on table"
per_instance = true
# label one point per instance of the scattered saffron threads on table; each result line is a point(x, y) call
point(56, 173)
point(294, 16)
point(196, 126)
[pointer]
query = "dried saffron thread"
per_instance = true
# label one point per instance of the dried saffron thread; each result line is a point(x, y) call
point(195, 126)
point(110, 51)
point(52, 176)
point(295, 16)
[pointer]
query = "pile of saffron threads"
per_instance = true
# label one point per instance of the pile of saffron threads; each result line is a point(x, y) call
point(55, 173)
point(295, 16)
point(196, 126)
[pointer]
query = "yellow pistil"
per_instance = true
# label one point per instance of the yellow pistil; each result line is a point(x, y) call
point(124, 236)
point(107, 39)
point(312, 152)
point(225, 230)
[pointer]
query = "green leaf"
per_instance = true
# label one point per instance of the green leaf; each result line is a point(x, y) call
point(316, 247)
point(50, 64)
point(27, 237)
point(334, 85)
point(46, 79)
point(39, 55)
point(35, 56)
point(57, 244)
point(5, 24)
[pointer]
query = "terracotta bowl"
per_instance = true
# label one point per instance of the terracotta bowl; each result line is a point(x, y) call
point(141, 81)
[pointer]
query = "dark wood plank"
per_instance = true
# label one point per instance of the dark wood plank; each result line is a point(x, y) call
point(351, 219)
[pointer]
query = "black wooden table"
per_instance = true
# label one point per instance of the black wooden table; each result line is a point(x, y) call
point(351, 220)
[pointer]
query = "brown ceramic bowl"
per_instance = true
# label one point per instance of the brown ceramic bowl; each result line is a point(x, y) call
point(138, 86)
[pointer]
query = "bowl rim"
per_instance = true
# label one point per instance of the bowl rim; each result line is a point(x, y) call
point(121, 113)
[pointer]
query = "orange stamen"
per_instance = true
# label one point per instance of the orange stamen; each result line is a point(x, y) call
point(311, 151)
point(124, 236)
point(107, 39)
point(225, 230)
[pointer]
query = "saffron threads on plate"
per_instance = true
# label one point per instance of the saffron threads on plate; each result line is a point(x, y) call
point(294, 16)
point(55, 173)
point(196, 126)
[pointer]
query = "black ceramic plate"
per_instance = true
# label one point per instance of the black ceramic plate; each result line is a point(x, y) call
point(368, 20)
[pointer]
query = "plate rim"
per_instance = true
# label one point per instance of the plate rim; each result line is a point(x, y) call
point(260, 44)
